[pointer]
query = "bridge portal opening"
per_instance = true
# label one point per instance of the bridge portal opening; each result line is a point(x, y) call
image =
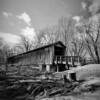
point(59, 51)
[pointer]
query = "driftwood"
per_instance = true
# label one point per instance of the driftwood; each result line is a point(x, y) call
point(22, 87)
point(29, 88)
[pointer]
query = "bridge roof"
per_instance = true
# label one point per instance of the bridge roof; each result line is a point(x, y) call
point(43, 47)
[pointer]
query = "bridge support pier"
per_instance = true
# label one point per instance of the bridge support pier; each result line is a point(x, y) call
point(48, 68)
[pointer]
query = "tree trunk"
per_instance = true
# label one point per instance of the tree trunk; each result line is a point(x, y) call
point(97, 54)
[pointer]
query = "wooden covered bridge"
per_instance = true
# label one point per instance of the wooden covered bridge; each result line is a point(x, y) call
point(49, 58)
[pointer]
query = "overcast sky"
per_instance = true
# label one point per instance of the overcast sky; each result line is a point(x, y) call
point(28, 16)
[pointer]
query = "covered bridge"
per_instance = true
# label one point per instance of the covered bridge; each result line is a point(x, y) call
point(43, 57)
point(49, 58)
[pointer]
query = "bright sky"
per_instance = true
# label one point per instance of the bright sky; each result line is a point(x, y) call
point(28, 16)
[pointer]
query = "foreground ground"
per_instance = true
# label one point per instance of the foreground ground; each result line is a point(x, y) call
point(32, 88)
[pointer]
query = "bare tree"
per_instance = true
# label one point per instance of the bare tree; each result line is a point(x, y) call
point(66, 31)
point(5, 52)
point(63, 31)
point(25, 44)
point(91, 32)
point(47, 35)
point(77, 48)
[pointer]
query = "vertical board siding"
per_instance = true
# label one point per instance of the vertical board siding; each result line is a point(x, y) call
point(43, 56)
